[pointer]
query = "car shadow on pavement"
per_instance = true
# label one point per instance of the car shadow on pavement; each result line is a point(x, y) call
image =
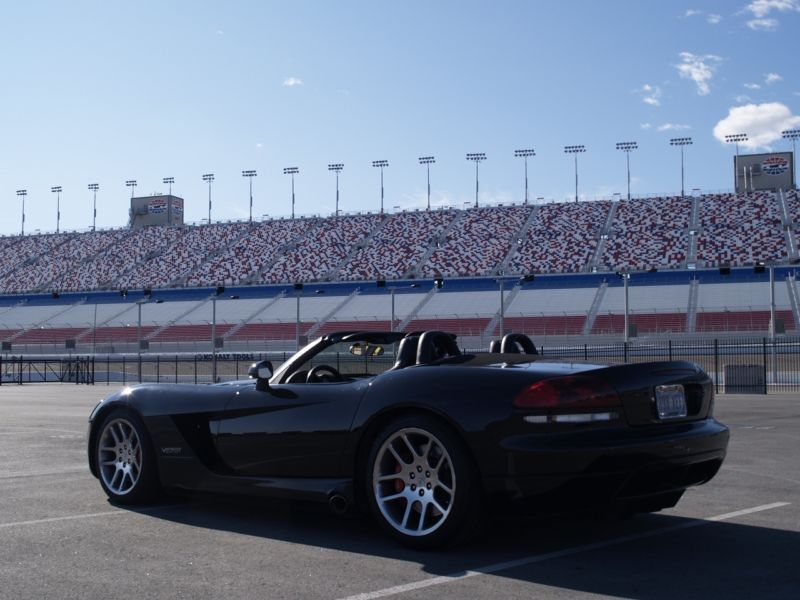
point(708, 559)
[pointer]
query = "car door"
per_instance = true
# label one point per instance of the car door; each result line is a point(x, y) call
point(289, 430)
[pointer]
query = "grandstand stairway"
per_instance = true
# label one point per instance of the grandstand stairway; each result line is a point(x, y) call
point(233, 330)
point(401, 326)
point(433, 244)
point(362, 243)
point(171, 322)
point(691, 306)
point(787, 225)
point(694, 225)
point(181, 279)
point(258, 275)
point(41, 324)
point(602, 238)
point(114, 317)
point(515, 241)
point(312, 332)
point(794, 300)
point(508, 298)
point(591, 315)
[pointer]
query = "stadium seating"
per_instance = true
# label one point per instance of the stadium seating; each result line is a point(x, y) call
point(740, 229)
point(562, 238)
point(647, 233)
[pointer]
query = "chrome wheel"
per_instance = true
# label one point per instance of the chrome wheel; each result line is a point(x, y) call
point(119, 456)
point(414, 482)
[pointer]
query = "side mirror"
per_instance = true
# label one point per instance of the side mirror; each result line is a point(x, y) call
point(261, 372)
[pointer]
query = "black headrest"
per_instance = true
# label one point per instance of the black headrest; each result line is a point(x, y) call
point(434, 345)
point(494, 346)
point(517, 343)
point(406, 352)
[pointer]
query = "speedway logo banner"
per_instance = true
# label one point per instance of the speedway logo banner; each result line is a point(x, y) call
point(157, 206)
point(177, 206)
point(774, 165)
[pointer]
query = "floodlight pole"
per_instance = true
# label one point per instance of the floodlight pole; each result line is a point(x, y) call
point(291, 171)
point(170, 181)
point(337, 168)
point(735, 138)
point(792, 134)
point(525, 154)
point(428, 161)
point(681, 142)
point(250, 174)
point(477, 157)
point(209, 177)
point(57, 191)
point(94, 187)
point(575, 150)
point(627, 147)
point(381, 164)
point(22, 194)
point(131, 183)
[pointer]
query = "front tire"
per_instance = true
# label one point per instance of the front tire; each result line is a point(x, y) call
point(126, 464)
point(421, 484)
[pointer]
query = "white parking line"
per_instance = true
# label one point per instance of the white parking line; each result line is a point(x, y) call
point(536, 558)
point(62, 471)
point(108, 513)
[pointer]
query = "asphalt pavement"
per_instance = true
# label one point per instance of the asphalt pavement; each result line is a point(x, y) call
point(736, 537)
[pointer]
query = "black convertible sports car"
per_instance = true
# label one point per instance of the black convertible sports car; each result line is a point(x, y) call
point(423, 435)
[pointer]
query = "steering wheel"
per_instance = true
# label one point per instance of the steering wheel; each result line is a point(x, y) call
point(323, 374)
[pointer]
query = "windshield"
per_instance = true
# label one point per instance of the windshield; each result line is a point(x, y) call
point(352, 359)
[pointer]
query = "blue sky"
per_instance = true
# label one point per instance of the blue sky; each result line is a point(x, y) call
point(109, 91)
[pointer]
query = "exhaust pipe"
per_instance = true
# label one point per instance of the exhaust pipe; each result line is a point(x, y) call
point(338, 504)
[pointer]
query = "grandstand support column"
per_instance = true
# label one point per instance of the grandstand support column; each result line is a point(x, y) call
point(625, 281)
point(139, 339)
point(772, 323)
point(792, 134)
point(213, 339)
point(502, 309)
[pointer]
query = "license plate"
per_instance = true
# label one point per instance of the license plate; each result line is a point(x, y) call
point(670, 401)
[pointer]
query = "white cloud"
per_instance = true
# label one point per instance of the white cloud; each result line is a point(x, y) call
point(752, 86)
point(690, 12)
point(220, 32)
point(771, 78)
point(651, 94)
point(763, 123)
point(713, 19)
point(761, 8)
point(645, 125)
point(763, 24)
point(699, 69)
point(259, 145)
point(742, 99)
point(673, 127)
point(292, 82)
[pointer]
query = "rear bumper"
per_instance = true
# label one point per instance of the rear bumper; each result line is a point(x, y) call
point(592, 467)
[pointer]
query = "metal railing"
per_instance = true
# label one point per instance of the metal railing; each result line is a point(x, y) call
point(755, 365)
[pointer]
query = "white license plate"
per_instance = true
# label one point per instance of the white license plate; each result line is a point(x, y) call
point(670, 401)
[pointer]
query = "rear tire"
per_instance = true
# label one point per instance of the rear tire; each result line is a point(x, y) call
point(126, 464)
point(421, 485)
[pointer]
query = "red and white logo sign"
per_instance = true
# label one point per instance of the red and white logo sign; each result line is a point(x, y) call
point(775, 165)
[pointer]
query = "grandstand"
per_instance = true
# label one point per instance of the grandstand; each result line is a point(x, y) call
point(65, 287)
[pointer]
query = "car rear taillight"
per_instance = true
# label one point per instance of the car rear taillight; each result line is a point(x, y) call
point(570, 392)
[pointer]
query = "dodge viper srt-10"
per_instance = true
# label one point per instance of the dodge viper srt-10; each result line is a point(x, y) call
point(420, 434)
